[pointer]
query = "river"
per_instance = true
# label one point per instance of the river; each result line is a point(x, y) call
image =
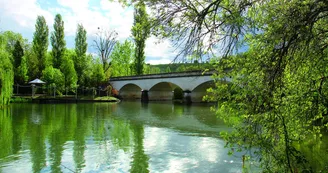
point(113, 137)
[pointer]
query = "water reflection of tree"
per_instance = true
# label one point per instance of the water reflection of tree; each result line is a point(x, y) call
point(140, 159)
point(79, 140)
point(166, 111)
point(6, 134)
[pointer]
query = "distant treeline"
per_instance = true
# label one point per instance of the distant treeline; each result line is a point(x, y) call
point(177, 67)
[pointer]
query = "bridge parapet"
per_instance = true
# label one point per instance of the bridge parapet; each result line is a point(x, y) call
point(165, 75)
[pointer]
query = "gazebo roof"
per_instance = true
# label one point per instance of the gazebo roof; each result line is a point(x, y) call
point(36, 81)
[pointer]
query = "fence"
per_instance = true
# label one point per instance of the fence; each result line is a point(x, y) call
point(35, 90)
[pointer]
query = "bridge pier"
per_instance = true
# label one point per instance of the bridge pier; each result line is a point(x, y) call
point(187, 97)
point(144, 96)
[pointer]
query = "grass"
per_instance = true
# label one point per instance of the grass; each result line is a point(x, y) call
point(23, 99)
point(18, 99)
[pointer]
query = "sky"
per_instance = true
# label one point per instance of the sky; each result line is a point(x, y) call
point(20, 16)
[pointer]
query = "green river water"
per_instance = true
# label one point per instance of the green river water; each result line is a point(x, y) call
point(113, 137)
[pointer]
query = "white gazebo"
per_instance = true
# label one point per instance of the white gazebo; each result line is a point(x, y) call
point(36, 81)
point(33, 83)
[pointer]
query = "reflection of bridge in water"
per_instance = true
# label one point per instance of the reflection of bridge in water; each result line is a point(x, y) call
point(161, 86)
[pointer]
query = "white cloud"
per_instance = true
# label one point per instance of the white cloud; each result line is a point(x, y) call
point(159, 61)
point(24, 12)
point(110, 16)
point(92, 14)
point(161, 49)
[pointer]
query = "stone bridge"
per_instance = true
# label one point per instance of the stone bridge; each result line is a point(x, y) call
point(162, 86)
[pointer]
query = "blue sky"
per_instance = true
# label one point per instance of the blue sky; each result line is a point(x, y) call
point(20, 15)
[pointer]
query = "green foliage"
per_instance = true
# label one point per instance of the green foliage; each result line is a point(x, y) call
point(168, 69)
point(67, 68)
point(18, 53)
point(146, 68)
point(10, 39)
point(122, 59)
point(53, 77)
point(6, 73)
point(81, 46)
point(154, 70)
point(32, 63)
point(276, 97)
point(140, 32)
point(86, 76)
point(181, 68)
point(58, 42)
point(98, 75)
point(40, 43)
point(22, 72)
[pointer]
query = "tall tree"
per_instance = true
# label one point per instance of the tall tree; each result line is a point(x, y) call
point(21, 73)
point(18, 53)
point(58, 42)
point(122, 58)
point(104, 43)
point(6, 73)
point(80, 50)
point(11, 40)
point(68, 70)
point(32, 63)
point(81, 44)
point(40, 42)
point(140, 32)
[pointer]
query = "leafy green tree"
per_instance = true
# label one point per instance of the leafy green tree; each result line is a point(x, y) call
point(48, 60)
point(11, 39)
point(6, 73)
point(32, 63)
point(81, 46)
point(146, 68)
point(22, 72)
point(53, 77)
point(181, 68)
point(67, 68)
point(98, 75)
point(86, 77)
point(122, 59)
point(18, 53)
point(40, 41)
point(58, 42)
point(168, 69)
point(274, 96)
point(140, 33)
point(154, 70)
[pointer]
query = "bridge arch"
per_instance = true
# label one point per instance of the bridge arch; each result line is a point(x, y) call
point(200, 91)
point(130, 91)
point(162, 91)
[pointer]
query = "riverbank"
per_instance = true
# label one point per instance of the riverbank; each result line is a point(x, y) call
point(62, 99)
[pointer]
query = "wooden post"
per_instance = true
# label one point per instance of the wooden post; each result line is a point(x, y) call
point(54, 91)
point(17, 89)
point(33, 90)
point(93, 92)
